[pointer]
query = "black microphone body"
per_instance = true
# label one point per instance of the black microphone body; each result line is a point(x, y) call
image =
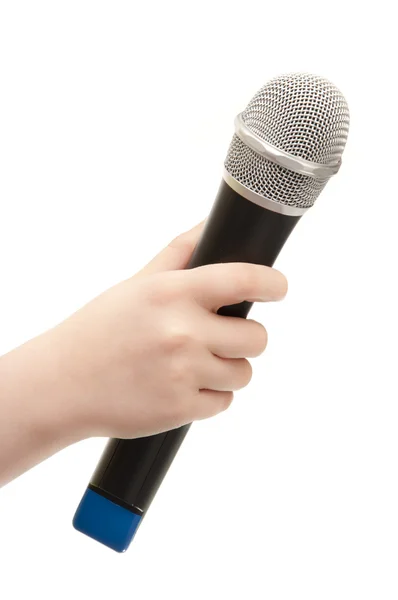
point(131, 471)
point(288, 142)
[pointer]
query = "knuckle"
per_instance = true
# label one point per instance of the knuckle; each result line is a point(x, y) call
point(179, 347)
point(178, 371)
point(177, 339)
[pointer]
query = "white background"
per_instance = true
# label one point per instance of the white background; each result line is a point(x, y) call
point(115, 118)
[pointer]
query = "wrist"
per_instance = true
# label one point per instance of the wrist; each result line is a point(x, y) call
point(34, 394)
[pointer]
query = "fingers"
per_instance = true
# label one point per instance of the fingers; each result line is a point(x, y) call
point(225, 375)
point(177, 254)
point(211, 403)
point(223, 284)
point(222, 377)
point(230, 337)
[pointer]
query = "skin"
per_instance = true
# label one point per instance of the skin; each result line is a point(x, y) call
point(148, 355)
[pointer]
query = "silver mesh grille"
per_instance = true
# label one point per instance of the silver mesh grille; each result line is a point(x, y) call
point(304, 115)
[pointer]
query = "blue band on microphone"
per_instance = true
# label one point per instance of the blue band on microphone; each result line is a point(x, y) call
point(105, 521)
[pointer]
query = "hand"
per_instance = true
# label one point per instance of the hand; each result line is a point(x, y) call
point(151, 354)
point(148, 355)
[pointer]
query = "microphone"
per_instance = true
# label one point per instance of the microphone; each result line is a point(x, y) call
point(287, 144)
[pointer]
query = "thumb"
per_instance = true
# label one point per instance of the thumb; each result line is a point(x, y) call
point(177, 254)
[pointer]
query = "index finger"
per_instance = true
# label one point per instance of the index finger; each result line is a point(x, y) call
point(177, 254)
point(230, 283)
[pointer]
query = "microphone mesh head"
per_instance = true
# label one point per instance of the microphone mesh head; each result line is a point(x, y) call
point(304, 115)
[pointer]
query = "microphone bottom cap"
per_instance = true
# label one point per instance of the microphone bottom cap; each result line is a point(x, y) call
point(105, 521)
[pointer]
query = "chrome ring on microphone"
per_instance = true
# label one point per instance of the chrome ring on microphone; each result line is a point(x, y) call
point(280, 157)
point(282, 209)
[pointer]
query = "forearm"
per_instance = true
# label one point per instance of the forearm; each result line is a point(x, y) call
point(37, 415)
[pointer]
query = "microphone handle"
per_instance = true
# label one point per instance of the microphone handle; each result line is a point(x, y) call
point(131, 471)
